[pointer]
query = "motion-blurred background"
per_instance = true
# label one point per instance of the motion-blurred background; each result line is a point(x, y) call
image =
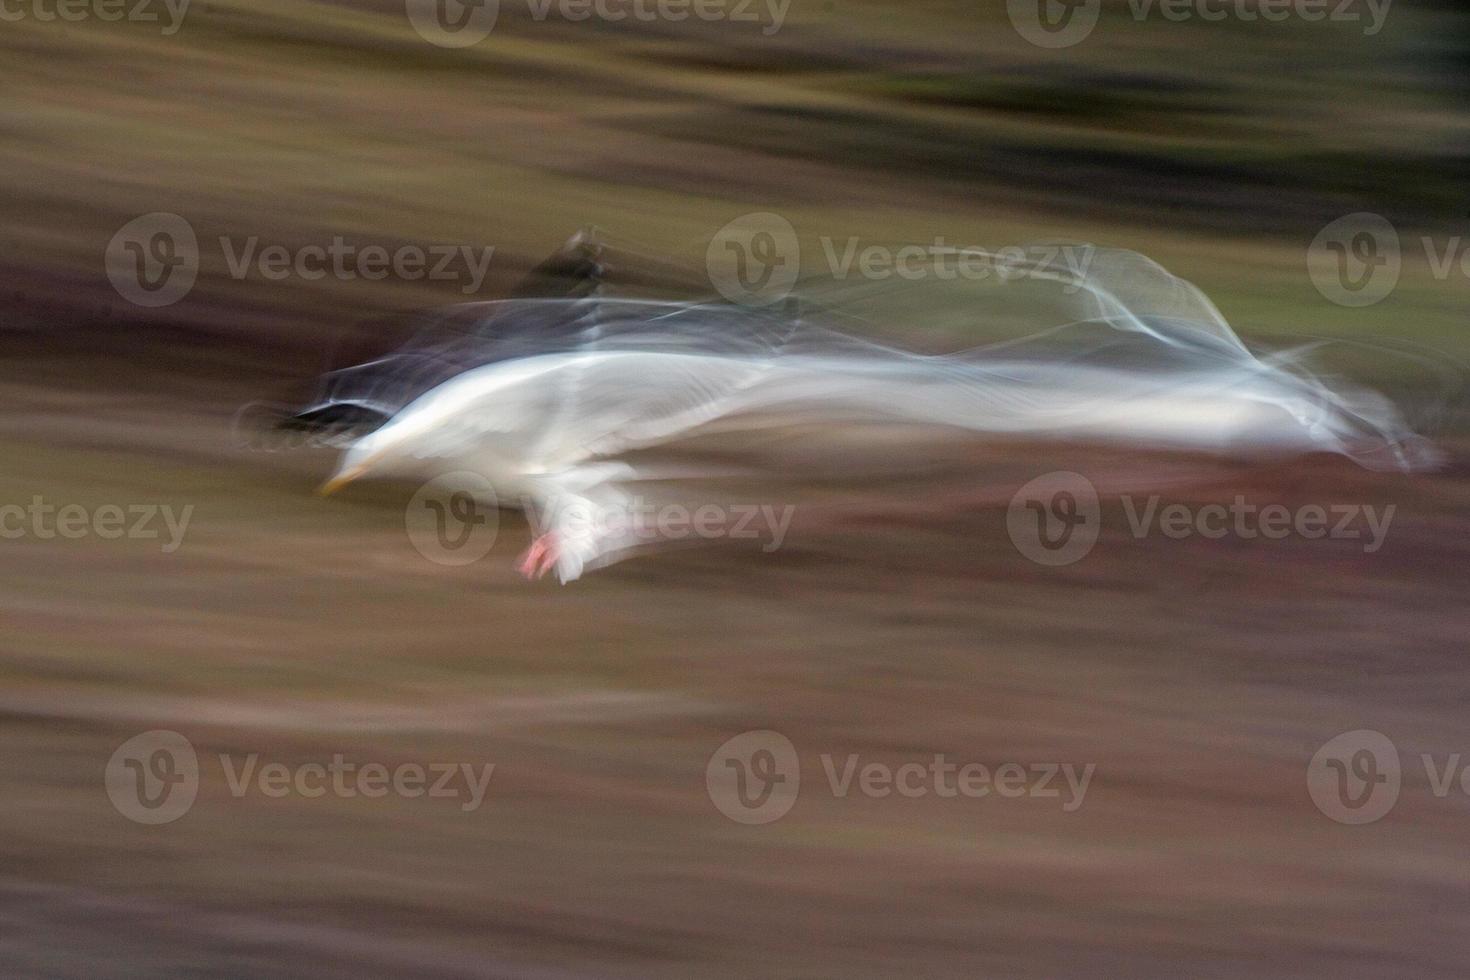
point(1198, 676)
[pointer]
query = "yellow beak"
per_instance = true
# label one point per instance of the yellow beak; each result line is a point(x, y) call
point(340, 480)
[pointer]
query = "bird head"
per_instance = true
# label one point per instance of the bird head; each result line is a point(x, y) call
point(375, 452)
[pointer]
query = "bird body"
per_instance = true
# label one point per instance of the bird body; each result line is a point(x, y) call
point(547, 399)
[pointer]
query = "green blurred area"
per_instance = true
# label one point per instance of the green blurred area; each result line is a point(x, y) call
point(1219, 149)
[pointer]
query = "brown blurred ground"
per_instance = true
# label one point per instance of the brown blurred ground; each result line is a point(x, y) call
point(1198, 676)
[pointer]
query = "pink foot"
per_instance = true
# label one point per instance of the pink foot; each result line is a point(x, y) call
point(540, 558)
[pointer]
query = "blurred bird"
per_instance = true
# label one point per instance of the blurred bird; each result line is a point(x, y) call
point(547, 397)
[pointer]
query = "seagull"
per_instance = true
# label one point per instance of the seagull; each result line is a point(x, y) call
point(552, 398)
